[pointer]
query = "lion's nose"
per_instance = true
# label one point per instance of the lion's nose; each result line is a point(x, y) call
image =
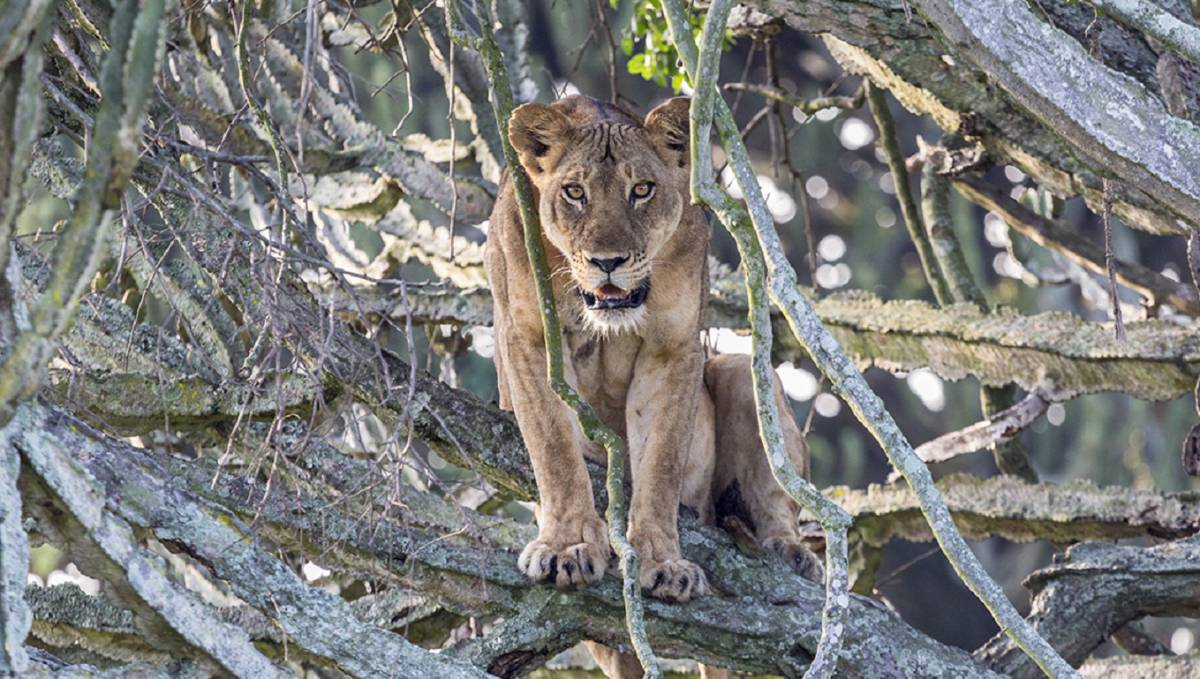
point(607, 264)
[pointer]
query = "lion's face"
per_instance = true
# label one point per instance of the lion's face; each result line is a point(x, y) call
point(610, 194)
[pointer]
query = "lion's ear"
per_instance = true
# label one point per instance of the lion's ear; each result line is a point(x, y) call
point(669, 130)
point(539, 134)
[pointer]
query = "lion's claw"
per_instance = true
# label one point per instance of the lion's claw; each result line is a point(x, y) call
point(581, 559)
point(676, 580)
point(798, 556)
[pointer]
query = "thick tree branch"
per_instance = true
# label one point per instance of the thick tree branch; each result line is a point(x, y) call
point(1008, 507)
point(315, 619)
point(1131, 134)
point(1156, 23)
point(764, 620)
point(1061, 352)
point(1099, 588)
point(933, 76)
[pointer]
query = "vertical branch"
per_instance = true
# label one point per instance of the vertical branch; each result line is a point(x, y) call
point(1010, 456)
point(908, 207)
point(21, 109)
point(833, 518)
point(136, 38)
point(942, 260)
point(589, 422)
point(15, 616)
point(949, 260)
point(844, 375)
point(264, 120)
point(1110, 262)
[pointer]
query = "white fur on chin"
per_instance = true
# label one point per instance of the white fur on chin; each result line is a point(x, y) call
point(606, 323)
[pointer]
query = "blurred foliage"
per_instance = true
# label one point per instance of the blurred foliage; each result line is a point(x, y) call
point(647, 43)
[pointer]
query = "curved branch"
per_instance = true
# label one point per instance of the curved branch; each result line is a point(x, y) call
point(735, 219)
point(848, 381)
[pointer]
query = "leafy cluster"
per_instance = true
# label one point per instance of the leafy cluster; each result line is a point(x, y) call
point(647, 43)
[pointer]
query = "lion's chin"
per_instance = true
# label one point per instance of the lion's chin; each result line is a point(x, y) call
point(606, 323)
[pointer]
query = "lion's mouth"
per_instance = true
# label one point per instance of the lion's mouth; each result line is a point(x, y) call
point(609, 296)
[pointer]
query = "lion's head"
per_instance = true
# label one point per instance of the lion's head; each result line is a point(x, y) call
point(611, 191)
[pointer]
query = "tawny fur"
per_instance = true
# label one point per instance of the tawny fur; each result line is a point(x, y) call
point(690, 424)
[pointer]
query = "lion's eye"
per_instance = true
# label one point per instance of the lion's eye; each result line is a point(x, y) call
point(642, 191)
point(573, 192)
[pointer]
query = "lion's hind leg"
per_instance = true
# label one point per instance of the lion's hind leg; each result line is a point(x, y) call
point(746, 492)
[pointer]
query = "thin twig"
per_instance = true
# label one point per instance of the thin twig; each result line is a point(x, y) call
point(808, 106)
point(1110, 262)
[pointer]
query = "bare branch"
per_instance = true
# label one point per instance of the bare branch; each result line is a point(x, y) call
point(996, 429)
point(703, 68)
point(1096, 590)
point(1019, 511)
point(1156, 23)
point(1051, 234)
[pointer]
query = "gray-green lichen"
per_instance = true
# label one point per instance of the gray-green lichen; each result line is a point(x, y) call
point(1009, 507)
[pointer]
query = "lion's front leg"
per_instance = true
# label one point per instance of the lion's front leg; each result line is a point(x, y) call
point(660, 412)
point(572, 545)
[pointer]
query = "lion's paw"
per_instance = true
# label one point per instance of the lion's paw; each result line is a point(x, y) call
point(574, 554)
point(798, 556)
point(676, 580)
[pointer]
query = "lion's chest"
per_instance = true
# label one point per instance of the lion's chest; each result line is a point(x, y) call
point(603, 369)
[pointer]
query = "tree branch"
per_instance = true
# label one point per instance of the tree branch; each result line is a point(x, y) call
point(467, 562)
point(995, 430)
point(1008, 507)
point(1156, 23)
point(1099, 588)
point(137, 40)
point(834, 521)
point(1053, 235)
point(1131, 135)
point(844, 376)
point(934, 76)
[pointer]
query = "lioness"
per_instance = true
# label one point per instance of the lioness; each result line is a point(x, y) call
point(628, 254)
